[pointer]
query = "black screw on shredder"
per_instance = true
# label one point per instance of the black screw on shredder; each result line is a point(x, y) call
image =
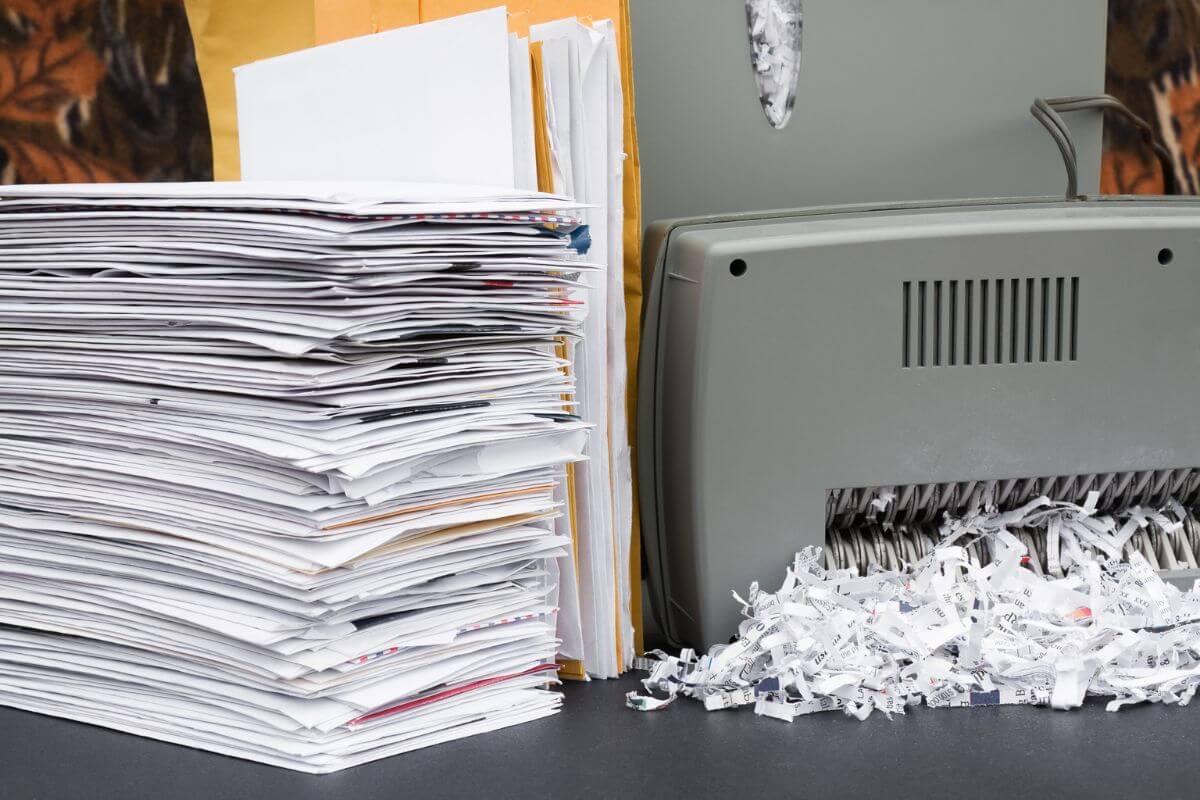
point(1165, 256)
point(737, 268)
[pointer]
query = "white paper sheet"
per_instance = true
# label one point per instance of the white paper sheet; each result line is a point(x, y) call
point(428, 102)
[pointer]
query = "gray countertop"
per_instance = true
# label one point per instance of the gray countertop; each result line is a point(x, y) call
point(597, 748)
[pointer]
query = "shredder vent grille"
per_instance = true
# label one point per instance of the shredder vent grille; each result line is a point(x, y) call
point(989, 321)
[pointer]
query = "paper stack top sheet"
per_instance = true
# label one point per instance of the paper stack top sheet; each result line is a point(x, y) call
point(279, 463)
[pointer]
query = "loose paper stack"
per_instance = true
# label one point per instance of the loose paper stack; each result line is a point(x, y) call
point(581, 84)
point(546, 110)
point(278, 463)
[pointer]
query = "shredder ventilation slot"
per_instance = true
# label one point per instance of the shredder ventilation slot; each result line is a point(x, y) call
point(989, 321)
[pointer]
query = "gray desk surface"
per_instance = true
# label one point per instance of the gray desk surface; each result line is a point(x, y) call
point(597, 748)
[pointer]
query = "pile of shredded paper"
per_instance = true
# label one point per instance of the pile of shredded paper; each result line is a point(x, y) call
point(951, 633)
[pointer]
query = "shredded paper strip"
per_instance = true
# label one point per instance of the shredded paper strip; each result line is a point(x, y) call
point(775, 35)
point(952, 633)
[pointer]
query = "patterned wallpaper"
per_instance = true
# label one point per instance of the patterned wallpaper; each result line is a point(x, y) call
point(1152, 48)
point(97, 90)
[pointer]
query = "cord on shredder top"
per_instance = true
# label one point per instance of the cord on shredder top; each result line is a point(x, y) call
point(1046, 111)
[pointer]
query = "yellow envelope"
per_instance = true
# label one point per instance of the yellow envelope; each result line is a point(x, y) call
point(229, 33)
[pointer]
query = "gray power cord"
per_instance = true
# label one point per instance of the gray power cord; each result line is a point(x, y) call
point(1046, 111)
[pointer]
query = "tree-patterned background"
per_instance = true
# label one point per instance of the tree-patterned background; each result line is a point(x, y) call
point(94, 90)
point(1152, 50)
point(99, 90)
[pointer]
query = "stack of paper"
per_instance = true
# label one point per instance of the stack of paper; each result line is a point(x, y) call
point(581, 82)
point(544, 111)
point(278, 463)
